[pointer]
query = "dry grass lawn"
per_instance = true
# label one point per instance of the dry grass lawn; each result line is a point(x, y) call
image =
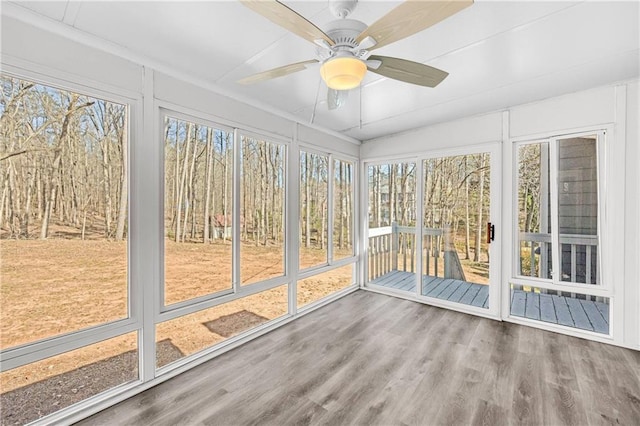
point(57, 286)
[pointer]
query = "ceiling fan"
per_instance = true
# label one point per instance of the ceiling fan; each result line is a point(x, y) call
point(345, 45)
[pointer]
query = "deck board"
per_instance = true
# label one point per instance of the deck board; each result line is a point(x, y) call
point(431, 283)
point(532, 306)
point(518, 303)
point(448, 292)
point(578, 314)
point(547, 311)
point(439, 288)
point(595, 317)
point(481, 297)
point(562, 310)
point(470, 295)
point(459, 293)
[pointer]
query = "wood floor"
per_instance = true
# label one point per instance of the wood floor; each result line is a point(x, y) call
point(372, 359)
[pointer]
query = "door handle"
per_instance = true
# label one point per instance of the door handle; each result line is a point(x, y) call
point(491, 232)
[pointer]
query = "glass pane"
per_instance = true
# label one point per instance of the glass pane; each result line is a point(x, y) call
point(35, 390)
point(262, 191)
point(63, 212)
point(392, 220)
point(319, 286)
point(343, 191)
point(314, 221)
point(198, 204)
point(455, 252)
point(578, 209)
point(558, 307)
point(192, 333)
point(534, 211)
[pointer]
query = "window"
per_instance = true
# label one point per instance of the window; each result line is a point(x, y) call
point(63, 243)
point(324, 284)
point(198, 210)
point(43, 387)
point(63, 212)
point(534, 211)
point(392, 222)
point(192, 333)
point(262, 201)
point(558, 221)
point(314, 218)
point(557, 269)
point(343, 208)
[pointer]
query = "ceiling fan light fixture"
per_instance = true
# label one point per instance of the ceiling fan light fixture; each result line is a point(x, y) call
point(343, 72)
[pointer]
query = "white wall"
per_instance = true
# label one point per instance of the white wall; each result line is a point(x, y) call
point(632, 214)
point(454, 134)
point(31, 47)
point(615, 107)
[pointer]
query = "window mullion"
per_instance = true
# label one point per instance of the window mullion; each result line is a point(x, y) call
point(235, 220)
point(556, 274)
point(419, 188)
point(330, 212)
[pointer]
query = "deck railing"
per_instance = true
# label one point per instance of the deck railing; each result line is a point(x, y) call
point(578, 257)
point(393, 248)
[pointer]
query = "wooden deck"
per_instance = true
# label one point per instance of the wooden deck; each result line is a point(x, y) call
point(440, 288)
point(568, 311)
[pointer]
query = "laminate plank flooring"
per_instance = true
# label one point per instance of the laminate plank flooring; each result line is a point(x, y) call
point(372, 359)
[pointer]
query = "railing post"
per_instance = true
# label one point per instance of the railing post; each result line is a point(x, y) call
point(449, 246)
point(394, 246)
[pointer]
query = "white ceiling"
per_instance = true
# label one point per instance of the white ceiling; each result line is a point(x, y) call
point(498, 54)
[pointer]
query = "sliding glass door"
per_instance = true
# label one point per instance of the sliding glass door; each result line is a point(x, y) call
point(457, 231)
point(432, 228)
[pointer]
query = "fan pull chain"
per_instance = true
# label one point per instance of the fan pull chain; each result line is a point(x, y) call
point(315, 105)
point(360, 93)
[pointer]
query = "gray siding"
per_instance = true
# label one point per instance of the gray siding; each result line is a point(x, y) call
point(578, 201)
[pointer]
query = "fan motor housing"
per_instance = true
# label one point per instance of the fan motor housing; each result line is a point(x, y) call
point(344, 32)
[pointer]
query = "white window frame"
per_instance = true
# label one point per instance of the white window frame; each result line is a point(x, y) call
point(331, 263)
point(308, 149)
point(611, 284)
point(48, 347)
point(286, 275)
point(354, 164)
point(166, 113)
point(603, 288)
point(496, 287)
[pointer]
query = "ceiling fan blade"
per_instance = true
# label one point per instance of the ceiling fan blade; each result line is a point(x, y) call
point(287, 18)
point(411, 17)
point(336, 98)
point(277, 72)
point(408, 71)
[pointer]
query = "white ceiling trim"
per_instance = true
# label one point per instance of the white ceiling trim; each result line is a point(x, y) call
point(56, 27)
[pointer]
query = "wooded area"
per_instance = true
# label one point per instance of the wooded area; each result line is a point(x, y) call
point(63, 164)
point(456, 196)
point(314, 207)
